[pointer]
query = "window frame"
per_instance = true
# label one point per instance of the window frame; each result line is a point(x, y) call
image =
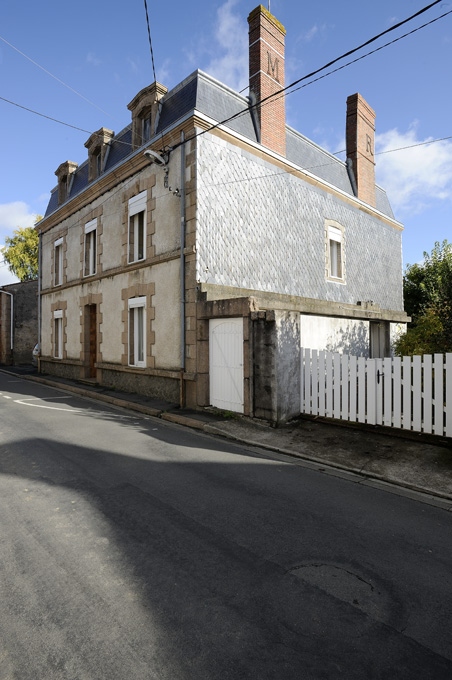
point(137, 205)
point(58, 334)
point(146, 133)
point(90, 255)
point(335, 251)
point(58, 258)
point(133, 332)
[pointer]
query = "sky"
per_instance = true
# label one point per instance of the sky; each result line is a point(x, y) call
point(83, 62)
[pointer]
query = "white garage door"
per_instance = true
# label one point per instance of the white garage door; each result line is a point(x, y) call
point(226, 364)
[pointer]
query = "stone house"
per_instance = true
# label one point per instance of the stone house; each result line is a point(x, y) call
point(189, 256)
point(18, 322)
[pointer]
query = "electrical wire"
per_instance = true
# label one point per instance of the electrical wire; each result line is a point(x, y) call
point(150, 41)
point(264, 101)
point(56, 78)
point(368, 54)
point(309, 75)
point(55, 120)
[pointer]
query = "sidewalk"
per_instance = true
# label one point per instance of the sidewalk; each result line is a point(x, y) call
point(410, 463)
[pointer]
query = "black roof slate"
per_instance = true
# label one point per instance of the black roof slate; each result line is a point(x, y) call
point(204, 94)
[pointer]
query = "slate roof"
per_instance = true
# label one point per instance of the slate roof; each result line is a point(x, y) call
point(202, 93)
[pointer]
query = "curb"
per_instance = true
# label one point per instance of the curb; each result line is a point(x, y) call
point(183, 420)
point(210, 428)
point(148, 410)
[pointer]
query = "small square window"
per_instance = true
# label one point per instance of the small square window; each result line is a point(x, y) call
point(58, 263)
point(137, 332)
point(90, 248)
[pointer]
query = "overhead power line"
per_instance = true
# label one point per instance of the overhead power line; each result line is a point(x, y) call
point(56, 78)
point(150, 41)
point(313, 73)
point(363, 56)
point(55, 120)
point(279, 93)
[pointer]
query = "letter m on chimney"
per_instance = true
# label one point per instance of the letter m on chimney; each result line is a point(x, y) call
point(273, 67)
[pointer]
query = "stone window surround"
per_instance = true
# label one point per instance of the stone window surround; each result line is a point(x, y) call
point(91, 299)
point(60, 234)
point(137, 206)
point(337, 225)
point(90, 217)
point(143, 184)
point(146, 290)
point(137, 303)
point(61, 305)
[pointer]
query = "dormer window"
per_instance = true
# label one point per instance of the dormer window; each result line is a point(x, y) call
point(97, 146)
point(64, 173)
point(144, 107)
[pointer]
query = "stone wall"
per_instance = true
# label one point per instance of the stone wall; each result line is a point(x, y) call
point(276, 365)
point(25, 322)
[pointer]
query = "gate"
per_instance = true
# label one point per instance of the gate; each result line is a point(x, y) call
point(226, 363)
point(409, 393)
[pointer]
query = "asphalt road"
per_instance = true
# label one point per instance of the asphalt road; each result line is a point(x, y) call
point(135, 549)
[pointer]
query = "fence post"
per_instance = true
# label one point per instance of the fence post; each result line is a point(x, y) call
point(371, 392)
point(438, 363)
point(448, 405)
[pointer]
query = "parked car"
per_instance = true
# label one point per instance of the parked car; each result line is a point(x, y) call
point(35, 354)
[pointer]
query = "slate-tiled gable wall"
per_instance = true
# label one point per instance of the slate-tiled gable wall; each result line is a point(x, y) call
point(269, 233)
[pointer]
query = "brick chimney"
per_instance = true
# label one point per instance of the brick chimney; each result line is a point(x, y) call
point(266, 54)
point(360, 143)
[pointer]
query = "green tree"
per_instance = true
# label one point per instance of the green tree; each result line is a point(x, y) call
point(21, 252)
point(427, 291)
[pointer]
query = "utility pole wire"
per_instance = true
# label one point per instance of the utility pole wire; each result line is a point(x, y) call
point(57, 79)
point(150, 41)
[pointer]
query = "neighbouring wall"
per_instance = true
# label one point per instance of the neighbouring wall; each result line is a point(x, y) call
point(25, 322)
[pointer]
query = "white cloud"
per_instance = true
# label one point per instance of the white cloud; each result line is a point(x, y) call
point(134, 65)
point(316, 31)
point(5, 276)
point(14, 215)
point(414, 178)
point(164, 72)
point(92, 59)
point(230, 63)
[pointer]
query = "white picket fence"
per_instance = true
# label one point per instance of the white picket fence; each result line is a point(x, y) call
point(410, 393)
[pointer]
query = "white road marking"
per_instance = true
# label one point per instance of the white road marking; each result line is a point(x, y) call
point(5, 397)
point(24, 402)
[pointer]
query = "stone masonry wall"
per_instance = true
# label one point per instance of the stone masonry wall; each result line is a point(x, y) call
point(25, 323)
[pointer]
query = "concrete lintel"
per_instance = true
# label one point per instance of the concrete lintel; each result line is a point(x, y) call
point(278, 301)
point(233, 307)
